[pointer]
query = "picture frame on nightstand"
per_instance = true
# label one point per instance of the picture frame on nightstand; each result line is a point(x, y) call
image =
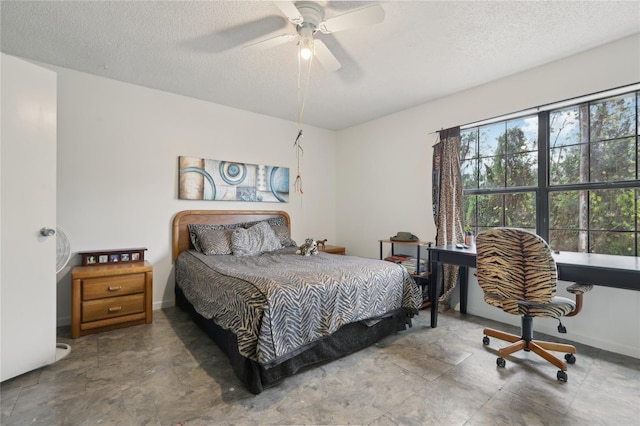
point(102, 257)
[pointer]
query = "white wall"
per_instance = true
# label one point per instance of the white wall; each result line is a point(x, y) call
point(384, 175)
point(117, 170)
point(118, 148)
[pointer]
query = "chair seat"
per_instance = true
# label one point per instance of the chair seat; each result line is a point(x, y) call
point(557, 307)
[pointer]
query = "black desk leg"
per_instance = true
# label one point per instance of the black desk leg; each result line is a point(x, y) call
point(435, 286)
point(463, 276)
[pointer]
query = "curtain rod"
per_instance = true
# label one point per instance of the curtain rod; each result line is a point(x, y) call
point(549, 106)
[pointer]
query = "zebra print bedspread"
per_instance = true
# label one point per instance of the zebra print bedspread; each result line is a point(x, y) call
point(278, 302)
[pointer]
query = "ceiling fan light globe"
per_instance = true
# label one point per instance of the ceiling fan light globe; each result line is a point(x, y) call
point(306, 53)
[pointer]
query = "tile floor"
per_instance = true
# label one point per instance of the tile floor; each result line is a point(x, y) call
point(169, 373)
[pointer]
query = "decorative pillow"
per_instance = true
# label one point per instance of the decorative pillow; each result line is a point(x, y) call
point(258, 239)
point(282, 232)
point(195, 227)
point(277, 221)
point(214, 241)
point(274, 221)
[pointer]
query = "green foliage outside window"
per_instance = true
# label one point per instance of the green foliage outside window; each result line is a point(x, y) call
point(591, 179)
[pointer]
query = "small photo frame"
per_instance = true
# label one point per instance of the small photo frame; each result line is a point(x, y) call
point(102, 257)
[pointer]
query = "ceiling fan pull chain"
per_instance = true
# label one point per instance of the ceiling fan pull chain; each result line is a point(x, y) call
point(302, 99)
point(297, 184)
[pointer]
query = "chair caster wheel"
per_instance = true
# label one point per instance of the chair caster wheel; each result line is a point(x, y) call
point(562, 376)
point(570, 358)
point(485, 340)
point(501, 362)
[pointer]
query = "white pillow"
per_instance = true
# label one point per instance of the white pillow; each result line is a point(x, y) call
point(258, 239)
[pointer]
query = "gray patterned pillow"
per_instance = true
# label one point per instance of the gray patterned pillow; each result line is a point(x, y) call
point(258, 239)
point(282, 232)
point(214, 241)
point(193, 227)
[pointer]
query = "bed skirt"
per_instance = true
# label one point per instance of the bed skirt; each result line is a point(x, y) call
point(348, 339)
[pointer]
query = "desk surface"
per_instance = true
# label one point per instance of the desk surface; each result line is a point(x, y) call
point(589, 268)
point(586, 268)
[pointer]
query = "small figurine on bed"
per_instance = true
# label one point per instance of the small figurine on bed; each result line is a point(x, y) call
point(308, 248)
point(321, 243)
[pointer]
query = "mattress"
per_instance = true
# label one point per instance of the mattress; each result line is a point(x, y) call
point(278, 304)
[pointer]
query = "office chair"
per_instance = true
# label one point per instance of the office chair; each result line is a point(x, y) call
point(517, 273)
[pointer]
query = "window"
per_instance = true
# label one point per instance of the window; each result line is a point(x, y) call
point(499, 164)
point(570, 174)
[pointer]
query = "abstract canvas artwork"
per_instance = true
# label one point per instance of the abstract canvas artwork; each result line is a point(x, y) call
point(203, 179)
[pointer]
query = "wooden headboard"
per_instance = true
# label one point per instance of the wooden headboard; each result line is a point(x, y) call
point(181, 220)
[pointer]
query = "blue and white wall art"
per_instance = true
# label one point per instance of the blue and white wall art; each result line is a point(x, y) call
point(203, 179)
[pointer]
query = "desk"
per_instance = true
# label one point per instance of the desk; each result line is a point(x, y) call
point(587, 268)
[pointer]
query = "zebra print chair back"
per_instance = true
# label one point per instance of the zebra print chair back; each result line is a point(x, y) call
point(514, 265)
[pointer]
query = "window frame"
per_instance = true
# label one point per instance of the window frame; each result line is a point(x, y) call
point(544, 189)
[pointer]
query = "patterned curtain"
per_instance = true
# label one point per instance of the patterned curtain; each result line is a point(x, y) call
point(447, 202)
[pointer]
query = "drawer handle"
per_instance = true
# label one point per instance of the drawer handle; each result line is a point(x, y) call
point(115, 309)
point(114, 288)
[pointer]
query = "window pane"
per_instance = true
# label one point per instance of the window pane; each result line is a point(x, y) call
point(470, 211)
point(489, 139)
point(564, 127)
point(565, 166)
point(612, 209)
point(469, 144)
point(568, 220)
point(613, 118)
point(522, 169)
point(469, 170)
point(613, 160)
point(523, 134)
point(564, 240)
point(491, 172)
point(520, 210)
point(620, 243)
point(490, 210)
point(564, 210)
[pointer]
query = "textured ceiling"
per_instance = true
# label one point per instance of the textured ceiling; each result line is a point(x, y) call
point(421, 51)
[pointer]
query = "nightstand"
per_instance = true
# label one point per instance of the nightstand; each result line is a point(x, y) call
point(333, 249)
point(107, 297)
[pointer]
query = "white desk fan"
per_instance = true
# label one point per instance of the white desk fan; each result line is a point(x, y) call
point(63, 254)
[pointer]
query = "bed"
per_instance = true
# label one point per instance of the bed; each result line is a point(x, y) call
point(273, 312)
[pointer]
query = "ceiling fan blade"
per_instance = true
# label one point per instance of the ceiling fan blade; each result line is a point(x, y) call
point(237, 35)
point(290, 11)
point(373, 14)
point(325, 57)
point(269, 43)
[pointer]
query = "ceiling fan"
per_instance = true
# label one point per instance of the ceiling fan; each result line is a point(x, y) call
point(308, 17)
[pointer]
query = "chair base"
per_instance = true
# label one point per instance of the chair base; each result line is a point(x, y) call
point(526, 342)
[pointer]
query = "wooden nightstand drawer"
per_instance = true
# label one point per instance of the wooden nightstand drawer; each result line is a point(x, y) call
point(98, 288)
point(111, 307)
point(106, 297)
